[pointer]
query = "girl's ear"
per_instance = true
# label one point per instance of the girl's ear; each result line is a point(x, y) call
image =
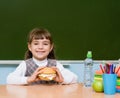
point(51, 48)
point(29, 47)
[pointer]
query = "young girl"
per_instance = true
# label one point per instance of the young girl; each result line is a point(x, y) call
point(40, 54)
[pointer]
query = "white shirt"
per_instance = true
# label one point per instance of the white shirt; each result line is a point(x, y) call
point(18, 76)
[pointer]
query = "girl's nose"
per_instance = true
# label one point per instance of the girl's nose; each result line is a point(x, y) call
point(40, 46)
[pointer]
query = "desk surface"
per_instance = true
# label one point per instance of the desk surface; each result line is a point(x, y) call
point(51, 91)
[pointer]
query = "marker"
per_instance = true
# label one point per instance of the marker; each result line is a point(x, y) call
point(114, 69)
point(111, 69)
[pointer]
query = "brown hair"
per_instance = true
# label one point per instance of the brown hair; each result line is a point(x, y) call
point(39, 33)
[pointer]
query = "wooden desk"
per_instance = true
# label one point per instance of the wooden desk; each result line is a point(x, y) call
point(51, 91)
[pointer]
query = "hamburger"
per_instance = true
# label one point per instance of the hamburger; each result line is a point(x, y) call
point(47, 74)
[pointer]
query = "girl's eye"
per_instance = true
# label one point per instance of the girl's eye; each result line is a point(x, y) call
point(45, 43)
point(35, 43)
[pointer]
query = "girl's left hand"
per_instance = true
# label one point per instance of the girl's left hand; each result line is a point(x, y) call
point(58, 77)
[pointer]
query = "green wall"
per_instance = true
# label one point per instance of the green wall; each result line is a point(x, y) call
point(76, 26)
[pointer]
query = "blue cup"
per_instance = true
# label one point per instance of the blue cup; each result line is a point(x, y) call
point(109, 83)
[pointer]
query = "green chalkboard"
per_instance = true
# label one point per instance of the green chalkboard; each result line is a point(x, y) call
point(76, 26)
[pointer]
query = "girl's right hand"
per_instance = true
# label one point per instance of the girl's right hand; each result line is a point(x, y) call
point(34, 76)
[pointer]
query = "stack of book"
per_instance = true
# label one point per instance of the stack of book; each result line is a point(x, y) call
point(98, 75)
point(118, 85)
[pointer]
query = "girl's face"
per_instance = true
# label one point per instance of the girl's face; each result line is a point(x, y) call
point(40, 48)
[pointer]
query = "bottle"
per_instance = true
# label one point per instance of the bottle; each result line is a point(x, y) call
point(88, 70)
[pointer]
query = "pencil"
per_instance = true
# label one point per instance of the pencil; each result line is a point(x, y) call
point(101, 68)
point(118, 70)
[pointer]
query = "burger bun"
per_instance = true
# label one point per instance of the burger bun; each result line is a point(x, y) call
point(48, 74)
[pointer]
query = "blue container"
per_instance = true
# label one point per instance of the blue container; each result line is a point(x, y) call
point(109, 83)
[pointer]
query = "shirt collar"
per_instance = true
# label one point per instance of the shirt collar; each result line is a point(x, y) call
point(40, 63)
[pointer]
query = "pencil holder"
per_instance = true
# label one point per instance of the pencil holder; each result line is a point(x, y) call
point(109, 83)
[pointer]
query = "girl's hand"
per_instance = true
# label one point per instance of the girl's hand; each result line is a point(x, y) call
point(34, 76)
point(58, 77)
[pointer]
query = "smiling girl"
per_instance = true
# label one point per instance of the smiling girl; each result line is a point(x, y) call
point(40, 54)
